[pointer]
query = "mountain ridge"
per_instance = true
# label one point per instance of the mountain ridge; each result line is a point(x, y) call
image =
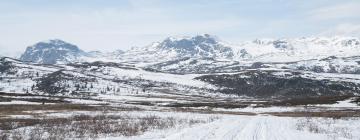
point(206, 46)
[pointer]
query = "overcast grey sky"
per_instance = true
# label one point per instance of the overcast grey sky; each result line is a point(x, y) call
point(120, 24)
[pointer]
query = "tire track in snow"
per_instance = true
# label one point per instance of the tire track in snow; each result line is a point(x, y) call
point(246, 128)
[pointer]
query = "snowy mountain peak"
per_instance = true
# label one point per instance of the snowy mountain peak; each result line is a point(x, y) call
point(51, 52)
point(54, 41)
point(295, 49)
point(197, 46)
point(203, 37)
point(263, 41)
point(173, 48)
point(55, 44)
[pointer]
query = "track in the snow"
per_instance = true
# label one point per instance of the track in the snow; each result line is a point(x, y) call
point(246, 128)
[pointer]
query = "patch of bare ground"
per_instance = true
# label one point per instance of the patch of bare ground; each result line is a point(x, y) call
point(208, 104)
point(327, 114)
point(309, 100)
point(208, 111)
point(28, 109)
point(225, 103)
point(6, 97)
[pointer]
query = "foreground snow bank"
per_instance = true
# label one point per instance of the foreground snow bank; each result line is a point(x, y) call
point(231, 127)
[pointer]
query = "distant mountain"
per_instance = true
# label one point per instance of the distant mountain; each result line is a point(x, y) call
point(206, 53)
point(199, 46)
point(52, 52)
point(287, 50)
point(260, 50)
point(318, 54)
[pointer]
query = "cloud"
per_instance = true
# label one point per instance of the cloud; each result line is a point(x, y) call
point(108, 28)
point(338, 11)
point(343, 30)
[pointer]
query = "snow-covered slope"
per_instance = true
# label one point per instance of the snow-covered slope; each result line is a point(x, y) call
point(332, 64)
point(204, 65)
point(267, 128)
point(108, 77)
point(95, 77)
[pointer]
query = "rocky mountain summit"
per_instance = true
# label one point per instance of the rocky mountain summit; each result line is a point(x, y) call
point(52, 52)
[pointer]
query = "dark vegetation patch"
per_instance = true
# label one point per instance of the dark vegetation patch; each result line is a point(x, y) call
point(22, 108)
point(151, 69)
point(29, 109)
point(257, 65)
point(6, 66)
point(38, 100)
point(138, 82)
point(208, 111)
point(329, 113)
point(310, 100)
point(263, 84)
point(227, 105)
point(41, 98)
point(356, 100)
point(58, 103)
point(7, 97)
point(145, 103)
point(56, 82)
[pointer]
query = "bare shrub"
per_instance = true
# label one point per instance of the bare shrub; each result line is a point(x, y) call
point(87, 126)
point(4, 136)
point(325, 126)
point(18, 134)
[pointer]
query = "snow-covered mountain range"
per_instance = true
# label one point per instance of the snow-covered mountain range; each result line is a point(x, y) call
point(259, 50)
point(286, 67)
point(285, 50)
point(203, 46)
